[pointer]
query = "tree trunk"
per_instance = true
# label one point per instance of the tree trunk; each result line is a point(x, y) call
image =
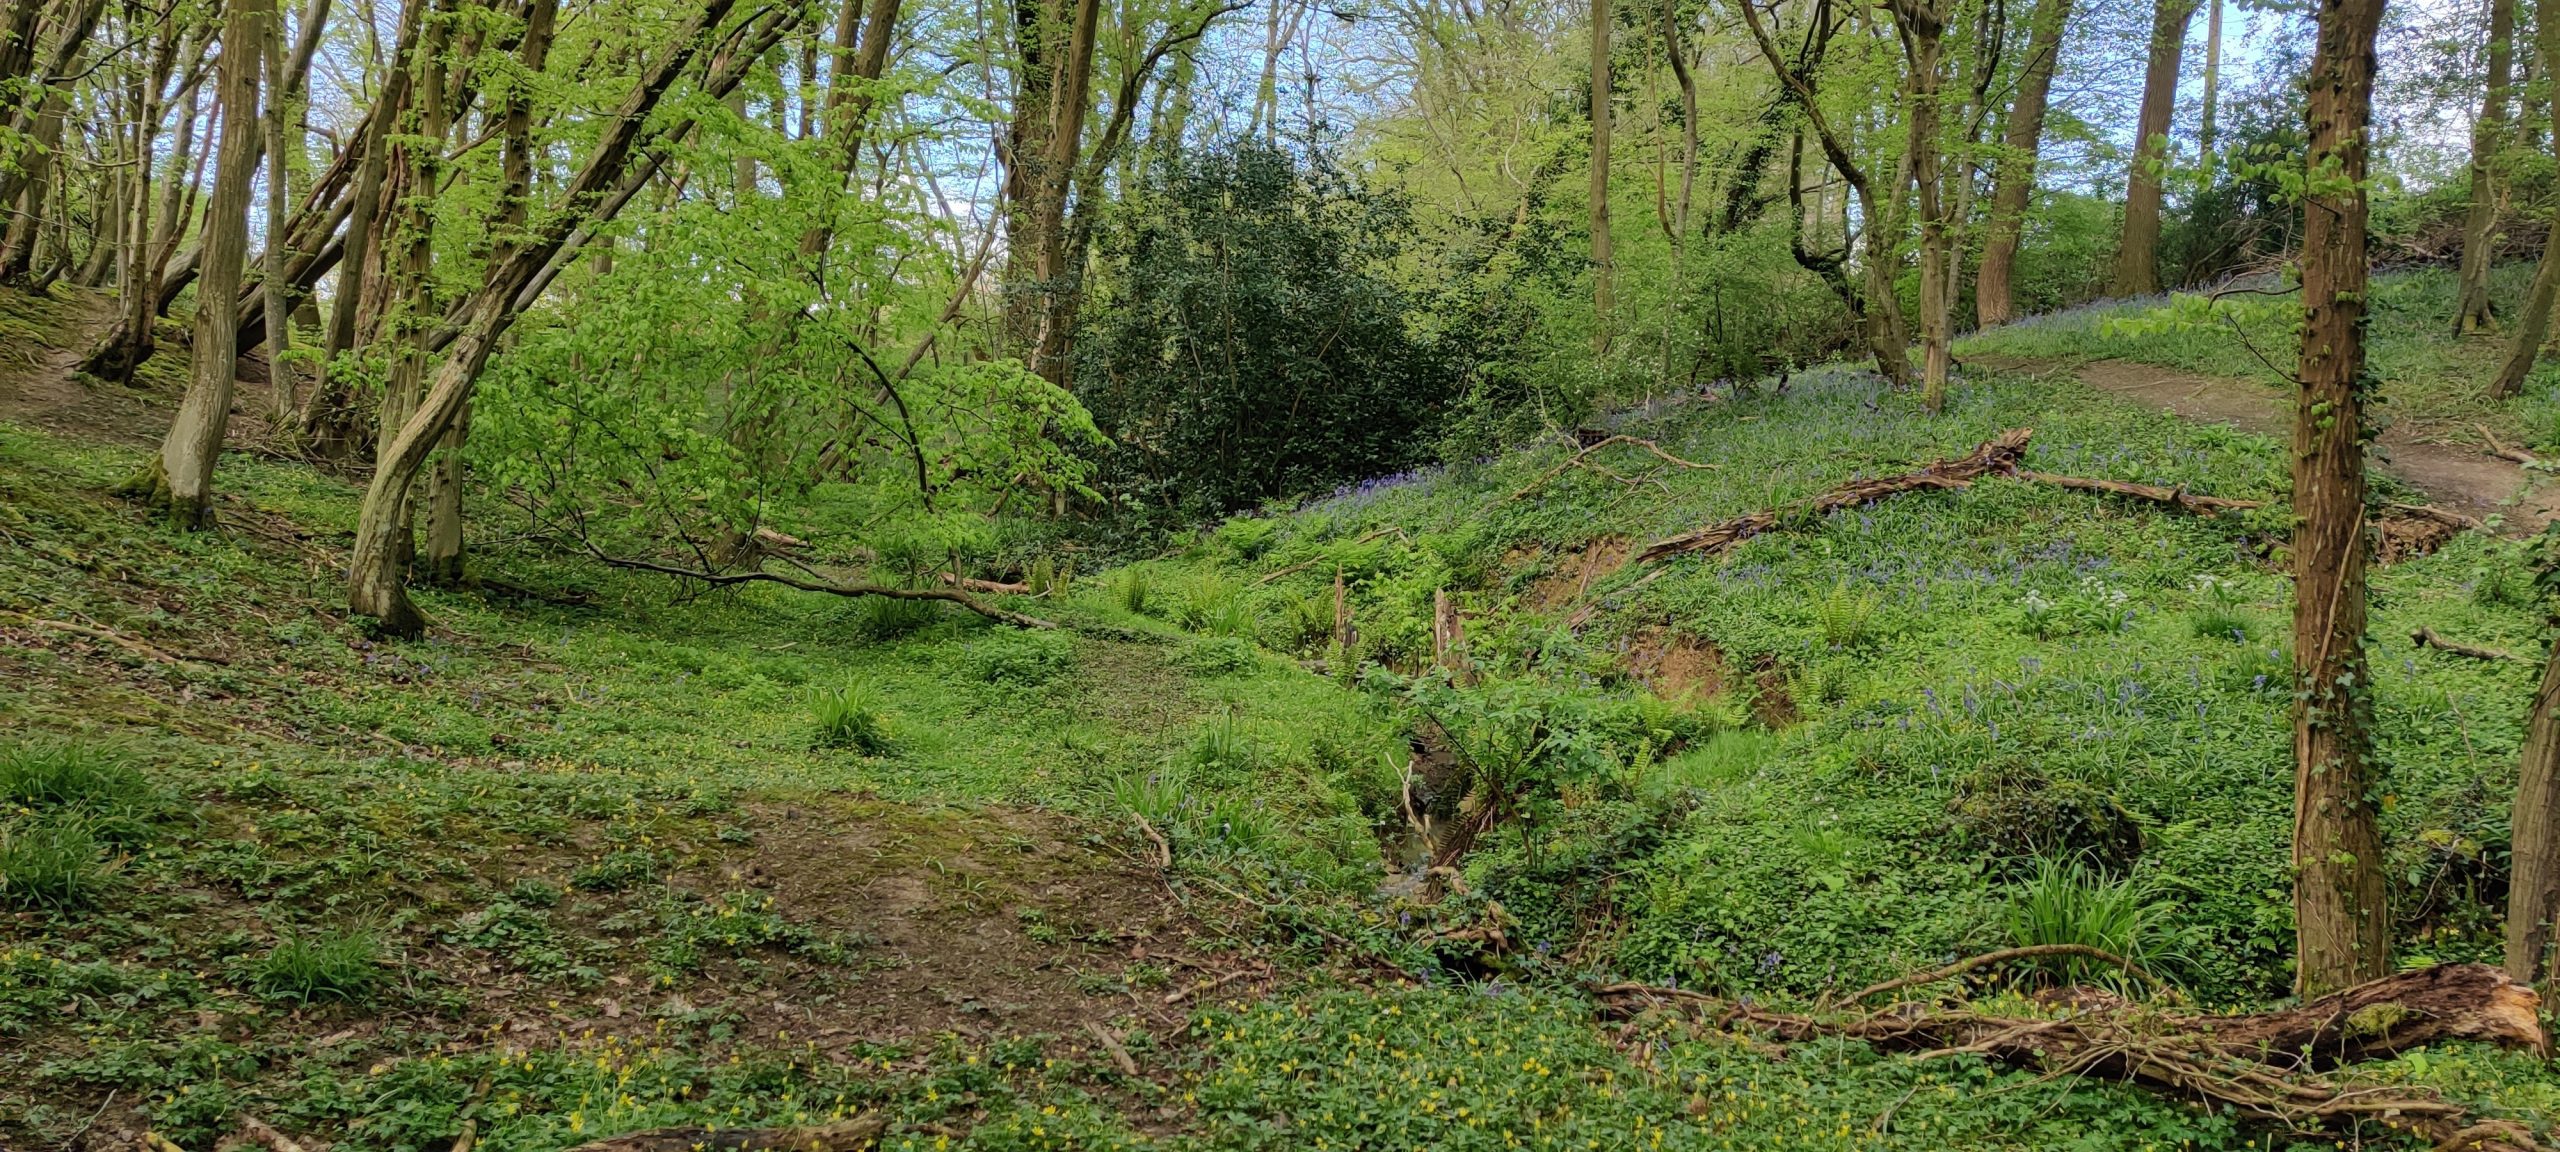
point(2342, 919)
point(2533, 892)
point(181, 476)
point(1994, 297)
point(275, 297)
point(374, 584)
point(2535, 319)
point(1070, 98)
point(328, 425)
point(2211, 113)
point(2472, 313)
point(2138, 250)
point(1922, 25)
point(1025, 163)
point(1603, 249)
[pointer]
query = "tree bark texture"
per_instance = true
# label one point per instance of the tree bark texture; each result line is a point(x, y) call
point(2472, 313)
point(2138, 248)
point(1994, 295)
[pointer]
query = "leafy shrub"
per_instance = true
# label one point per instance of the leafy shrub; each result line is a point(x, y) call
point(849, 717)
point(1306, 622)
point(50, 862)
point(327, 964)
point(1020, 657)
point(1248, 537)
point(890, 617)
point(2067, 902)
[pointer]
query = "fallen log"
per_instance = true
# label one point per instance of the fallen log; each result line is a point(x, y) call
point(1998, 454)
point(2427, 638)
point(855, 1135)
point(2271, 1064)
point(2177, 497)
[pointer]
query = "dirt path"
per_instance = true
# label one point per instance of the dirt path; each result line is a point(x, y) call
point(2453, 476)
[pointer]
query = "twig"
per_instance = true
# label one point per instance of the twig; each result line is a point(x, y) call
point(95, 632)
point(1111, 1044)
point(2002, 956)
point(1576, 461)
point(2439, 515)
point(832, 588)
point(1179, 995)
point(2426, 638)
point(1164, 851)
point(159, 1143)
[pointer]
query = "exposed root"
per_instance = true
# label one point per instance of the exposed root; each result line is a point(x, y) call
point(2267, 1064)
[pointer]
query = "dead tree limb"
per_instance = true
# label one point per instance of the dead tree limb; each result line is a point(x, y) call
point(2177, 497)
point(2504, 451)
point(2268, 1064)
point(855, 1135)
point(1577, 461)
point(830, 587)
point(1998, 454)
point(2427, 638)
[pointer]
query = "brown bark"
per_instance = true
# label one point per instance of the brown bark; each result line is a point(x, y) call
point(329, 425)
point(1994, 297)
point(2342, 919)
point(2533, 885)
point(1603, 247)
point(2472, 313)
point(2138, 248)
point(1922, 26)
point(2535, 319)
point(1881, 212)
point(1071, 97)
point(374, 584)
point(2212, 101)
point(181, 476)
point(275, 299)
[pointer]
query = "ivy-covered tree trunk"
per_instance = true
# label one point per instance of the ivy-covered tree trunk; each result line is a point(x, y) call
point(181, 476)
point(2342, 918)
point(2138, 248)
point(1994, 297)
point(2471, 312)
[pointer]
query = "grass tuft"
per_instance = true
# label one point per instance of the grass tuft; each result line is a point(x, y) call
point(326, 964)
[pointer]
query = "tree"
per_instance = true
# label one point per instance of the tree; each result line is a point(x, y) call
point(180, 478)
point(376, 586)
point(1922, 28)
point(2533, 885)
point(1994, 299)
point(2138, 249)
point(2535, 319)
point(2472, 313)
point(2342, 919)
point(1603, 254)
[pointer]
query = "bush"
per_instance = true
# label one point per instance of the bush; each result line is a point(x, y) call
point(328, 964)
point(849, 717)
point(2067, 902)
point(51, 862)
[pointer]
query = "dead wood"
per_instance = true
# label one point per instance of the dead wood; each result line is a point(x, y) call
point(2505, 451)
point(1581, 460)
point(1998, 454)
point(2031, 952)
point(855, 1135)
point(2267, 1064)
point(1111, 1044)
point(816, 583)
point(2177, 497)
point(2450, 519)
point(265, 1133)
point(990, 587)
point(2426, 638)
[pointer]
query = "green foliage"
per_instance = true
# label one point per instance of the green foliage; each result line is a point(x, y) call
point(1135, 591)
point(50, 862)
point(100, 786)
point(2066, 902)
point(1847, 615)
point(1218, 655)
point(1246, 339)
point(320, 964)
point(890, 617)
point(849, 717)
point(1019, 657)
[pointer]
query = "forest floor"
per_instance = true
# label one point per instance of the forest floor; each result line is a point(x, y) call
point(583, 860)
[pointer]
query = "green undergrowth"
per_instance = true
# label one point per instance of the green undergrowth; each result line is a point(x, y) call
point(340, 882)
point(2427, 374)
